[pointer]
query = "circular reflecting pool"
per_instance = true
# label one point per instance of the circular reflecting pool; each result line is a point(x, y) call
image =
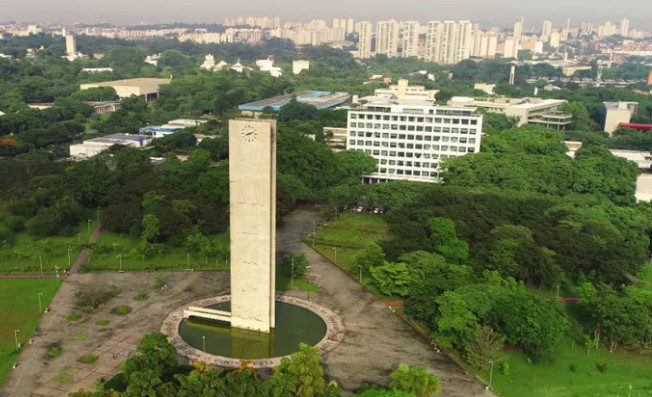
point(294, 325)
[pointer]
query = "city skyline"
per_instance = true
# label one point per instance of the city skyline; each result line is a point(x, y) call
point(496, 13)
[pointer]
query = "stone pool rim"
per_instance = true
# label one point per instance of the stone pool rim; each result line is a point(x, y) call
point(334, 333)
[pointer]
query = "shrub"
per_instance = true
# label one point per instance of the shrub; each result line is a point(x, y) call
point(63, 378)
point(103, 322)
point(160, 283)
point(121, 310)
point(572, 367)
point(504, 368)
point(88, 359)
point(602, 367)
point(90, 298)
point(141, 297)
point(415, 380)
point(54, 350)
point(74, 317)
point(80, 337)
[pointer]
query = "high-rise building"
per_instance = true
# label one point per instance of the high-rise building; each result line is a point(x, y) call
point(408, 140)
point(448, 42)
point(484, 44)
point(336, 23)
point(350, 26)
point(387, 34)
point(71, 44)
point(586, 29)
point(518, 29)
point(410, 38)
point(555, 39)
point(546, 29)
point(624, 27)
point(364, 39)
point(510, 48)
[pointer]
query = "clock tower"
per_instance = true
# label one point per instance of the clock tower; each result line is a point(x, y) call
point(252, 185)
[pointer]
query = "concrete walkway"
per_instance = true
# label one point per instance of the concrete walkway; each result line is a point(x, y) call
point(376, 340)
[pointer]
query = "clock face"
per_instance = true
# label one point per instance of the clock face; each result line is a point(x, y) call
point(249, 134)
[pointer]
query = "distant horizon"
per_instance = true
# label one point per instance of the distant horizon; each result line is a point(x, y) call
point(488, 13)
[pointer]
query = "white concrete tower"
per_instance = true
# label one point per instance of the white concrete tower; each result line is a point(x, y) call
point(252, 182)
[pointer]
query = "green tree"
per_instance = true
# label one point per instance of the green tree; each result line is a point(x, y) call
point(482, 345)
point(414, 380)
point(301, 375)
point(581, 120)
point(372, 255)
point(392, 278)
point(445, 241)
point(454, 321)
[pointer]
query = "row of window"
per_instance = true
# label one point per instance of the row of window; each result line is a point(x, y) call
point(410, 137)
point(402, 163)
point(392, 171)
point(414, 119)
point(444, 148)
point(420, 128)
point(404, 154)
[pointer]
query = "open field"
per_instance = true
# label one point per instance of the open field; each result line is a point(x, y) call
point(32, 254)
point(19, 309)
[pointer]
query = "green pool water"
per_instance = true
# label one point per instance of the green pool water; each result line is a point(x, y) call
point(294, 325)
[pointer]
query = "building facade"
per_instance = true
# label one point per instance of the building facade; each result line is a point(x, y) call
point(409, 141)
point(449, 42)
point(387, 35)
point(364, 39)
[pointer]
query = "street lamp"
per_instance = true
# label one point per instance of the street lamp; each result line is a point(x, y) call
point(314, 233)
point(40, 264)
point(56, 269)
point(40, 308)
point(360, 267)
point(292, 275)
point(88, 225)
point(335, 249)
point(491, 372)
point(203, 339)
point(16, 331)
point(120, 264)
point(69, 258)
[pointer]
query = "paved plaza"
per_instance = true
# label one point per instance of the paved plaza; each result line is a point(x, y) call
point(376, 340)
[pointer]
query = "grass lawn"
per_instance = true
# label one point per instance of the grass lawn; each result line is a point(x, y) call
point(19, 310)
point(31, 254)
point(574, 373)
point(342, 240)
point(112, 249)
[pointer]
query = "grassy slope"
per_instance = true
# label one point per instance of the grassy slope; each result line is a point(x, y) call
point(19, 310)
point(351, 232)
point(23, 255)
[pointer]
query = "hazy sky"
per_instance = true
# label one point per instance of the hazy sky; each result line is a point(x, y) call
point(486, 12)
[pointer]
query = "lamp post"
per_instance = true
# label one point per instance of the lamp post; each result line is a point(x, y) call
point(16, 331)
point(292, 275)
point(360, 267)
point(491, 372)
point(314, 233)
point(203, 339)
point(88, 226)
point(69, 257)
point(120, 264)
point(335, 249)
point(56, 270)
point(40, 307)
point(40, 264)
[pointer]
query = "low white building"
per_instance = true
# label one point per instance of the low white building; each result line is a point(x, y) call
point(144, 86)
point(617, 113)
point(97, 70)
point(93, 147)
point(300, 65)
point(410, 139)
point(267, 65)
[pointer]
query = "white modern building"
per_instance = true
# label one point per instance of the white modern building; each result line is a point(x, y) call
point(410, 38)
point(93, 147)
point(404, 91)
point(410, 139)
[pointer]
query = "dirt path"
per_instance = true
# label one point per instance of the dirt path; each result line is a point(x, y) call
point(376, 340)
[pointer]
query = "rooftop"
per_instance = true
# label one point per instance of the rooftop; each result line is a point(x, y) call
point(319, 99)
point(140, 82)
point(119, 138)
